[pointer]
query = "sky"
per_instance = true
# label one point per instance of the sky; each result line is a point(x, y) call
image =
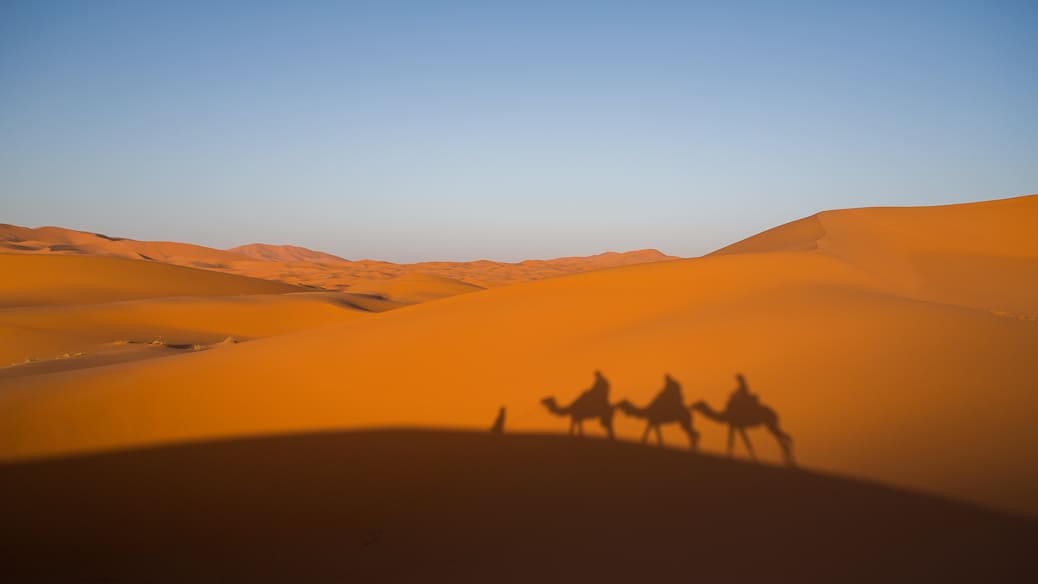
point(426, 130)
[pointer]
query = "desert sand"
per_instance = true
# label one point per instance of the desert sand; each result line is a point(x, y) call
point(420, 506)
point(896, 344)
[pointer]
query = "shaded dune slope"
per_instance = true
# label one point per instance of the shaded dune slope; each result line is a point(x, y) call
point(408, 505)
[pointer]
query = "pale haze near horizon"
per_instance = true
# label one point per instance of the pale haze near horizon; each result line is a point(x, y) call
point(454, 131)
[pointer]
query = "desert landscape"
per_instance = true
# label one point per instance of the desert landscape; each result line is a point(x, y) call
point(886, 339)
point(477, 292)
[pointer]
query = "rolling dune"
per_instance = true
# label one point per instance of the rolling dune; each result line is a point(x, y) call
point(35, 280)
point(100, 310)
point(50, 331)
point(415, 288)
point(882, 364)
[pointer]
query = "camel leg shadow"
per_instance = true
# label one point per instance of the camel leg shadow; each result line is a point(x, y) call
point(693, 436)
point(607, 423)
point(785, 442)
point(749, 445)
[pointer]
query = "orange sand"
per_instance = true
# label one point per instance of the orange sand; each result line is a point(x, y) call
point(896, 344)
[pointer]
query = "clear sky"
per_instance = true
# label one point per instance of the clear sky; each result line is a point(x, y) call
point(509, 130)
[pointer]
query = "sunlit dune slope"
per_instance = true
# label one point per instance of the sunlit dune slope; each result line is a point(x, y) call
point(35, 280)
point(410, 506)
point(47, 332)
point(978, 254)
point(869, 380)
point(97, 310)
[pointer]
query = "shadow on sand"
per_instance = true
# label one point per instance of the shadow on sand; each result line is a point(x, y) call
point(743, 411)
point(424, 506)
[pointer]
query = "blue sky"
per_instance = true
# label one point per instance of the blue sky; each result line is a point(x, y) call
point(507, 130)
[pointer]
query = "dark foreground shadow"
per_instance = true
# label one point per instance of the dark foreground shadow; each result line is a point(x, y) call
point(425, 506)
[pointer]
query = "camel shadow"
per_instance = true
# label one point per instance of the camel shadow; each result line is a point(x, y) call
point(667, 407)
point(589, 405)
point(744, 411)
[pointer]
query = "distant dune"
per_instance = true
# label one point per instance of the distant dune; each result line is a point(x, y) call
point(284, 253)
point(56, 240)
point(299, 266)
point(412, 506)
point(895, 344)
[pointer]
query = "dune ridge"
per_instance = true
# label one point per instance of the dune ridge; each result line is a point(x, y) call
point(299, 266)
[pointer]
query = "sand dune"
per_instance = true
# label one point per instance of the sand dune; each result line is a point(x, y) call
point(284, 253)
point(491, 274)
point(60, 241)
point(981, 255)
point(299, 266)
point(877, 367)
point(413, 506)
point(46, 333)
point(34, 280)
point(414, 288)
point(99, 310)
